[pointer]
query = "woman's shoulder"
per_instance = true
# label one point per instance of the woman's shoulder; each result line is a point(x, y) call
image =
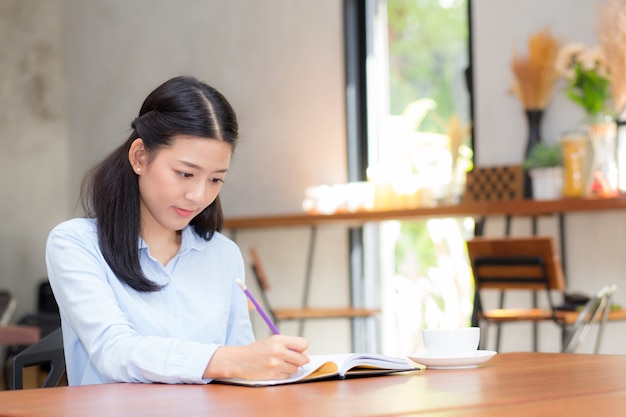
point(79, 226)
point(72, 234)
point(224, 240)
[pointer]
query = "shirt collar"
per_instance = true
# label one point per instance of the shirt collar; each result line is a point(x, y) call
point(190, 240)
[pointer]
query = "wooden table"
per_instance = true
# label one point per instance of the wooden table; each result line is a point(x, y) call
point(19, 335)
point(510, 384)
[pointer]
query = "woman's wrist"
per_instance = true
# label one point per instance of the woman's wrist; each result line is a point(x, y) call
point(223, 363)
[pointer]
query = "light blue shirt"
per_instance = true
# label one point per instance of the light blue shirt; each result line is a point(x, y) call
point(112, 333)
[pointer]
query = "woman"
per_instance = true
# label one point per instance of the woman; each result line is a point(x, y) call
point(146, 284)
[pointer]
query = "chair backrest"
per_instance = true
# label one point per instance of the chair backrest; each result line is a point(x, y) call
point(259, 271)
point(595, 311)
point(262, 281)
point(530, 263)
point(46, 303)
point(47, 352)
point(7, 307)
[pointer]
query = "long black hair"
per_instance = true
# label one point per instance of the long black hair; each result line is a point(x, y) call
point(110, 191)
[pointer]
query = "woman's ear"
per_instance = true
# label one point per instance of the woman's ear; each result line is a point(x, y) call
point(137, 155)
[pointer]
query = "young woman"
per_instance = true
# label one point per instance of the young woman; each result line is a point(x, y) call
point(146, 283)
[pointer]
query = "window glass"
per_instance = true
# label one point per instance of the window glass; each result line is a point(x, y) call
point(419, 151)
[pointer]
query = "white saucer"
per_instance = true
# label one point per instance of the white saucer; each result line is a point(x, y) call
point(447, 362)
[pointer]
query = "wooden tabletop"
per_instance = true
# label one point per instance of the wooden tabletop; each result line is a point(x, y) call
point(513, 208)
point(510, 384)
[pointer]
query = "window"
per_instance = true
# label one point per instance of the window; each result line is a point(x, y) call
point(418, 144)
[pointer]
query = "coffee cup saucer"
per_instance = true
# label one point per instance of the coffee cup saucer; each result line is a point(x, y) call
point(452, 362)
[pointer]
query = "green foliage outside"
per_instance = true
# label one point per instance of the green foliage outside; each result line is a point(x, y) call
point(427, 41)
point(414, 247)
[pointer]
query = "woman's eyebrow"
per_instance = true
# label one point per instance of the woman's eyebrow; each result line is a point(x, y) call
point(189, 164)
point(195, 166)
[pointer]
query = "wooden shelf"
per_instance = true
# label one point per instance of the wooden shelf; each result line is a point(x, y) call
point(514, 208)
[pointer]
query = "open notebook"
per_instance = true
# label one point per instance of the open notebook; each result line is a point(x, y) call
point(335, 366)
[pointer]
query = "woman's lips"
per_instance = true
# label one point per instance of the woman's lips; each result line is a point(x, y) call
point(182, 212)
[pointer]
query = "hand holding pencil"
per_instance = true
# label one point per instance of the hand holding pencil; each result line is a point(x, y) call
point(273, 358)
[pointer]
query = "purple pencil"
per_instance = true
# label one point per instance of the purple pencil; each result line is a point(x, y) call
point(258, 307)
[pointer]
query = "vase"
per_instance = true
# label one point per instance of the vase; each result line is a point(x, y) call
point(603, 177)
point(547, 183)
point(533, 117)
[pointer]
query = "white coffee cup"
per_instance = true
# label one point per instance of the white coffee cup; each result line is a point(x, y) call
point(451, 342)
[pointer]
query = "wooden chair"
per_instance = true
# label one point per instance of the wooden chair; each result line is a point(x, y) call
point(531, 264)
point(305, 312)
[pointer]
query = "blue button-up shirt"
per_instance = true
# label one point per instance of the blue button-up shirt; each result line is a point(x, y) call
point(113, 333)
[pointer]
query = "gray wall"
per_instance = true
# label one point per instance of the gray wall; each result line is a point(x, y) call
point(280, 63)
point(34, 156)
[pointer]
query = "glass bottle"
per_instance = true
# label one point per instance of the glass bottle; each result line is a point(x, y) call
point(574, 145)
point(603, 176)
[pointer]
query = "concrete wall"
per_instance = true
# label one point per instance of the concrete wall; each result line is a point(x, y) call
point(34, 156)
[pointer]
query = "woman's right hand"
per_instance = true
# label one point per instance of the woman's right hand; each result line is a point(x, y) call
point(276, 357)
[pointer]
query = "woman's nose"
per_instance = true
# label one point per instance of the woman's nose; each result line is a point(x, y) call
point(196, 191)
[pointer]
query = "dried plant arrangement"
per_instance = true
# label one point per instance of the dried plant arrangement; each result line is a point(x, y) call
point(534, 75)
point(610, 28)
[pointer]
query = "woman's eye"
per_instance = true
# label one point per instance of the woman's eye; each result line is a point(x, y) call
point(216, 180)
point(185, 174)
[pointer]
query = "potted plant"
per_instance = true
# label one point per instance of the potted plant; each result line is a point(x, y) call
point(545, 167)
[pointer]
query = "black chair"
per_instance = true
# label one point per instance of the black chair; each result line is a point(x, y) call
point(46, 318)
point(48, 352)
point(46, 303)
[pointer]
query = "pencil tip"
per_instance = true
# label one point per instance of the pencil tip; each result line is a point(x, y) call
point(238, 281)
